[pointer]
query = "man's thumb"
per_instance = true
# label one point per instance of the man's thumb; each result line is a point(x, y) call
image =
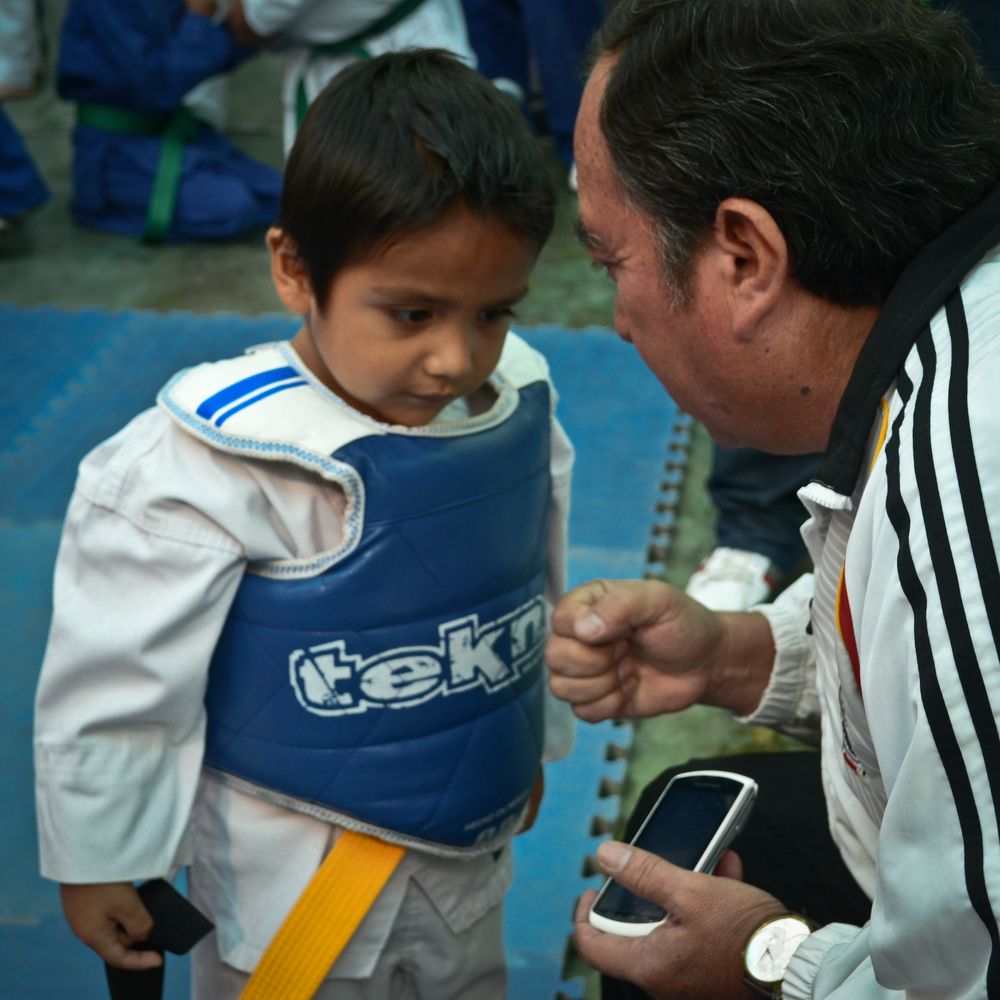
point(590, 627)
point(643, 873)
point(613, 856)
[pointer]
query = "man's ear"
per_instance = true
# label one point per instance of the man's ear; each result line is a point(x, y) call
point(289, 272)
point(756, 262)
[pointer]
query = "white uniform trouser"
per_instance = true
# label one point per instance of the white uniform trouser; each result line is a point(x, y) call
point(422, 960)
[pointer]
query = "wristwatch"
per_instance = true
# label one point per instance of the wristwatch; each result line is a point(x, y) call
point(769, 951)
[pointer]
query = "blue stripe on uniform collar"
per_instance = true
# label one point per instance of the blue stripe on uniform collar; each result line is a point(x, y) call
point(239, 389)
point(258, 397)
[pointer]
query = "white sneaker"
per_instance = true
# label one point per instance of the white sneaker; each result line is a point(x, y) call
point(732, 580)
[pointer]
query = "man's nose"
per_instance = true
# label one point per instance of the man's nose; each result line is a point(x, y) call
point(621, 321)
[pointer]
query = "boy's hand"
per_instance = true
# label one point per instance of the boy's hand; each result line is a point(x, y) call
point(110, 917)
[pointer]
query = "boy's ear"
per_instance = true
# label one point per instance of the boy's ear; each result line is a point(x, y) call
point(289, 272)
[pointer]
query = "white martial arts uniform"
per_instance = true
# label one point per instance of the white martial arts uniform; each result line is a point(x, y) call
point(296, 27)
point(157, 537)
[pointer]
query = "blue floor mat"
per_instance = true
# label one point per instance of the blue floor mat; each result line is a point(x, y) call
point(70, 379)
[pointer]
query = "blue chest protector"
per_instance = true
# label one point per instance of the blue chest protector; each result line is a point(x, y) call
point(400, 690)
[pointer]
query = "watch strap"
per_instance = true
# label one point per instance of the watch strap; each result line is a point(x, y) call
point(763, 991)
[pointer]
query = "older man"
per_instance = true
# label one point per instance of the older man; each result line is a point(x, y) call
point(797, 200)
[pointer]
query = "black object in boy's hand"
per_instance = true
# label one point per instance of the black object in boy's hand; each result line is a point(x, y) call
point(178, 925)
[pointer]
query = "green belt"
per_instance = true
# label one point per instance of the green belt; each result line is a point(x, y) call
point(355, 45)
point(175, 129)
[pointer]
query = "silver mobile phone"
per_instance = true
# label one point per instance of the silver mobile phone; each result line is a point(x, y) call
point(691, 824)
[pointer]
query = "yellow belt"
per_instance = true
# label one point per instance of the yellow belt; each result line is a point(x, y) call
point(323, 919)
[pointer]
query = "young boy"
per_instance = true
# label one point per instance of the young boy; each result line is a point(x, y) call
point(307, 594)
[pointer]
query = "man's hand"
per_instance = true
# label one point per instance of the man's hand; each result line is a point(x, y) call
point(110, 918)
point(629, 648)
point(698, 952)
point(637, 648)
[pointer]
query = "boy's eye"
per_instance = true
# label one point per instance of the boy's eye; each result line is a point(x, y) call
point(412, 315)
point(503, 312)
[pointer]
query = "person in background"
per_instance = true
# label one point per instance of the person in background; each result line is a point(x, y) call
point(300, 606)
point(758, 532)
point(22, 69)
point(318, 39)
point(519, 43)
point(983, 17)
point(143, 163)
point(22, 189)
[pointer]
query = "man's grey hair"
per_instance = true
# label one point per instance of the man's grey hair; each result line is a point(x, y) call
point(865, 127)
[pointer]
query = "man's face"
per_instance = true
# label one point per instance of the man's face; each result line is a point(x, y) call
point(683, 343)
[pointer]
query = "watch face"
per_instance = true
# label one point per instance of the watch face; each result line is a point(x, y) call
point(771, 947)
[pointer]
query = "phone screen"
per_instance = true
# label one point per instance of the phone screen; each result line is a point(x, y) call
point(679, 829)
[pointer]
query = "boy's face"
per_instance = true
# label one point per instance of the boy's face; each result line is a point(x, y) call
point(417, 325)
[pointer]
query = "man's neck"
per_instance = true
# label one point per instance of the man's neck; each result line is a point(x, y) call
point(823, 347)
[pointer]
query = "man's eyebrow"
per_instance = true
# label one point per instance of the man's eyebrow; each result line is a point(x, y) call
point(585, 236)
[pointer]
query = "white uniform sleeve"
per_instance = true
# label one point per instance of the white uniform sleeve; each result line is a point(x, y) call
point(560, 723)
point(316, 21)
point(119, 717)
point(272, 17)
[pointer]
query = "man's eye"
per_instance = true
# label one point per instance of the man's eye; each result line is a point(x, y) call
point(605, 266)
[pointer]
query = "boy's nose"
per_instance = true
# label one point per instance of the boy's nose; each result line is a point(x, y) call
point(452, 354)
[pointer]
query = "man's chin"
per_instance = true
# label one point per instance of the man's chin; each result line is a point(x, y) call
point(723, 433)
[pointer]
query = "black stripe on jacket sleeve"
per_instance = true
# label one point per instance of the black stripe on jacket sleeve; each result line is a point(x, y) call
point(946, 582)
point(970, 487)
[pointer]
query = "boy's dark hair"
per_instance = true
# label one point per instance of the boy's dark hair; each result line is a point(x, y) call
point(391, 144)
point(865, 127)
